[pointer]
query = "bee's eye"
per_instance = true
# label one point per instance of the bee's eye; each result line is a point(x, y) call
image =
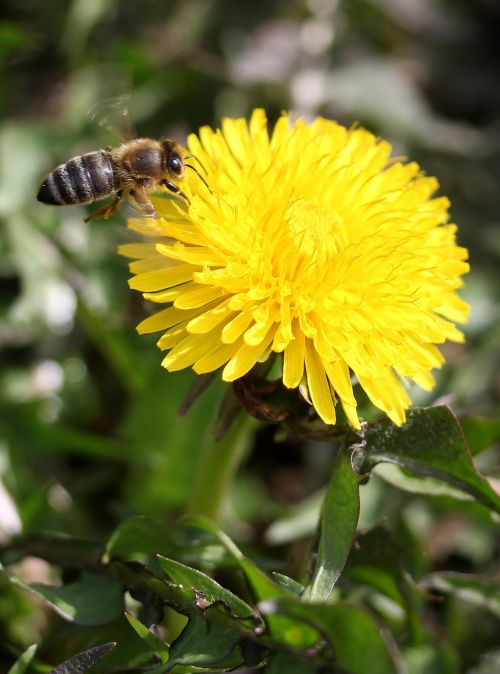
point(175, 165)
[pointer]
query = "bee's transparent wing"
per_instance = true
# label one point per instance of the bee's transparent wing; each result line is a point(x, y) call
point(113, 114)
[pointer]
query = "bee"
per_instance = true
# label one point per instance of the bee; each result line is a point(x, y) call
point(137, 168)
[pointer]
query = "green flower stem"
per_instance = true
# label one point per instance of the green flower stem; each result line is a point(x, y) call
point(218, 464)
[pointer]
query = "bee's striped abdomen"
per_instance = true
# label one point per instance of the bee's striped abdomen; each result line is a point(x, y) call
point(81, 179)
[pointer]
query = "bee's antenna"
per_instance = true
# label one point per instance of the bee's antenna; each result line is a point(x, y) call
point(199, 176)
point(193, 156)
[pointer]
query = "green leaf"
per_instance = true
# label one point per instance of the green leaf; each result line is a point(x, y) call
point(91, 600)
point(301, 520)
point(170, 447)
point(430, 444)
point(157, 646)
point(142, 582)
point(378, 560)
point(480, 433)
point(138, 535)
point(82, 662)
point(262, 586)
point(339, 518)
point(478, 590)
point(114, 344)
point(284, 629)
point(23, 661)
point(285, 663)
point(205, 644)
point(288, 583)
point(60, 438)
point(207, 593)
point(358, 642)
point(433, 658)
point(428, 486)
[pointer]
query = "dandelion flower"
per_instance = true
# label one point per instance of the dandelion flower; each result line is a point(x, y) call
point(312, 243)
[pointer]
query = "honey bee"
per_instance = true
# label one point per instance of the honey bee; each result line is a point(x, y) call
point(135, 169)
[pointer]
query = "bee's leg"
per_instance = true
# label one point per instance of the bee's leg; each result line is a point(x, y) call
point(107, 210)
point(141, 197)
point(175, 189)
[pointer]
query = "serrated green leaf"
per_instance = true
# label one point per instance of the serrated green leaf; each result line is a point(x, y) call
point(82, 662)
point(338, 523)
point(91, 600)
point(206, 592)
point(157, 646)
point(261, 584)
point(206, 645)
point(23, 661)
point(430, 444)
point(358, 642)
point(289, 631)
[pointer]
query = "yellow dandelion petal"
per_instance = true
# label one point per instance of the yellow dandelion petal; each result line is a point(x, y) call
point(352, 415)
point(148, 264)
point(207, 321)
point(340, 379)
point(236, 327)
point(317, 383)
point(191, 254)
point(216, 358)
point(145, 226)
point(311, 242)
point(164, 319)
point(186, 352)
point(170, 295)
point(172, 337)
point(425, 380)
point(161, 278)
point(198, 297)
point(294, 355)
point(388, 394)
point(246, 357)
point(254, 335)
point(138, 250)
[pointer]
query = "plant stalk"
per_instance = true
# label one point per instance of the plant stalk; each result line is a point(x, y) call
point(218, 464)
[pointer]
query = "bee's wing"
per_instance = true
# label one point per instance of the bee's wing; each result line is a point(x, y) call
point(113, 114)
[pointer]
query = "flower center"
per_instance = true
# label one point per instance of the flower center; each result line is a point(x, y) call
point(315, 235)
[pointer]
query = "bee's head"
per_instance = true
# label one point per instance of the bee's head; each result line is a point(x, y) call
point(173, 162)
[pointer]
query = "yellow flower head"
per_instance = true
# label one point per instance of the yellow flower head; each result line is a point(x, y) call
point(313, 243)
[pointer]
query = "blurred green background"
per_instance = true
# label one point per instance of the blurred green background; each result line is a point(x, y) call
point(89, 432)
